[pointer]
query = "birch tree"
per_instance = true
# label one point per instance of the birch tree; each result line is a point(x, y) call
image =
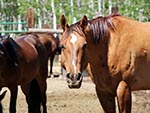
point(49, 11)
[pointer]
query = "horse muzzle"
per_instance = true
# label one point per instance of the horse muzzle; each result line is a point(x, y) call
point(74, 80)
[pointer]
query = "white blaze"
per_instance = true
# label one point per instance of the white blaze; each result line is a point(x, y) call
point(73, 41)
point(73, 38)
point(74, 65)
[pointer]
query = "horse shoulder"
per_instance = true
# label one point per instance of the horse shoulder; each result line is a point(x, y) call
point(131, 59)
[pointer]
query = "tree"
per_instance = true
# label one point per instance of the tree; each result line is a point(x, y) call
point(49, 11)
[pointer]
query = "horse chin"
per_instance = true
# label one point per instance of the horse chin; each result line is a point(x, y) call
point(74, 83)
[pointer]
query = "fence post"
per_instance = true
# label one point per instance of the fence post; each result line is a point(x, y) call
point(30, 18)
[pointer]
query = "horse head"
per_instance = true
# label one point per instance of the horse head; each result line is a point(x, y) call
point(73, 53)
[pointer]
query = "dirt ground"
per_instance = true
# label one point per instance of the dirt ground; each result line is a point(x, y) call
point(61, 99)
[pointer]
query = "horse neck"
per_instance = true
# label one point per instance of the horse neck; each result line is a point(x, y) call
point(98, 53)
point(98, 49)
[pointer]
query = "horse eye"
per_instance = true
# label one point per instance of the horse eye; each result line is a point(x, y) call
point(84, 46)
point(62, 47)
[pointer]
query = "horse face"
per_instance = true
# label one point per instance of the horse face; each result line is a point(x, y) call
point(73, 58)
point(73, 51)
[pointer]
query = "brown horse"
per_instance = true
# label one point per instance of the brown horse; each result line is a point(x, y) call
point(24, 62)
point(118, 53)
point(51, 44)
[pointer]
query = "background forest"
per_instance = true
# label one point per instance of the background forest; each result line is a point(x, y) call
point(49, 11)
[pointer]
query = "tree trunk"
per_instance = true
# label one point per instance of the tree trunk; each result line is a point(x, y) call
point(54, 15)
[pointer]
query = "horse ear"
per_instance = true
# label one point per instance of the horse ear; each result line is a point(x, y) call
point(63, 22)
point(83, 22)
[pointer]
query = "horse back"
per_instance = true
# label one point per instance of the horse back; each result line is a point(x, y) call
point(32, 56)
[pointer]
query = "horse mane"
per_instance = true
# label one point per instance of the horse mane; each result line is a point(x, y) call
point(12, 50)
point(100, 27)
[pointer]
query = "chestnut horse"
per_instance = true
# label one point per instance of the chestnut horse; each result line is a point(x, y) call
point(51, 44)
point(118, 53)
point(24, 62)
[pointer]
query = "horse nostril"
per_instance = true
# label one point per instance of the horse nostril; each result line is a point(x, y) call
point(68, 75)
point(79, 76)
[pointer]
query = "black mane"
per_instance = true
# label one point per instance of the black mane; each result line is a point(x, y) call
point(12, 50)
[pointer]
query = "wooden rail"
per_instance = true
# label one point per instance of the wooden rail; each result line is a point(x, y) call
point(57, 31)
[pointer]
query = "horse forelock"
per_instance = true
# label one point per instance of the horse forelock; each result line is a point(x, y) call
point(74, 28)
point(100, 27)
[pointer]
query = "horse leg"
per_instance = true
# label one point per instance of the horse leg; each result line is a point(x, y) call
point(41, 79)
point(107, 101)
point(26, 91)
point(31, 108)
point(124, 97)
point(43, 86)
point(51, 64)
point(13, 97)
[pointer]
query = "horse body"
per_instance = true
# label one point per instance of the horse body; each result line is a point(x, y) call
point(30, 62)
point(27, 62)
point(129, 54)
point(51, 44)
point(118, 54)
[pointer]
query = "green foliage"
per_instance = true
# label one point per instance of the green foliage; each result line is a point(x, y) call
point(133, 8)
point(130, 8)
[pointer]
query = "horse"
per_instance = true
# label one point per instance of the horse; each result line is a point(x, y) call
point(51, 44)
point(117, 54)
point(24, 62)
